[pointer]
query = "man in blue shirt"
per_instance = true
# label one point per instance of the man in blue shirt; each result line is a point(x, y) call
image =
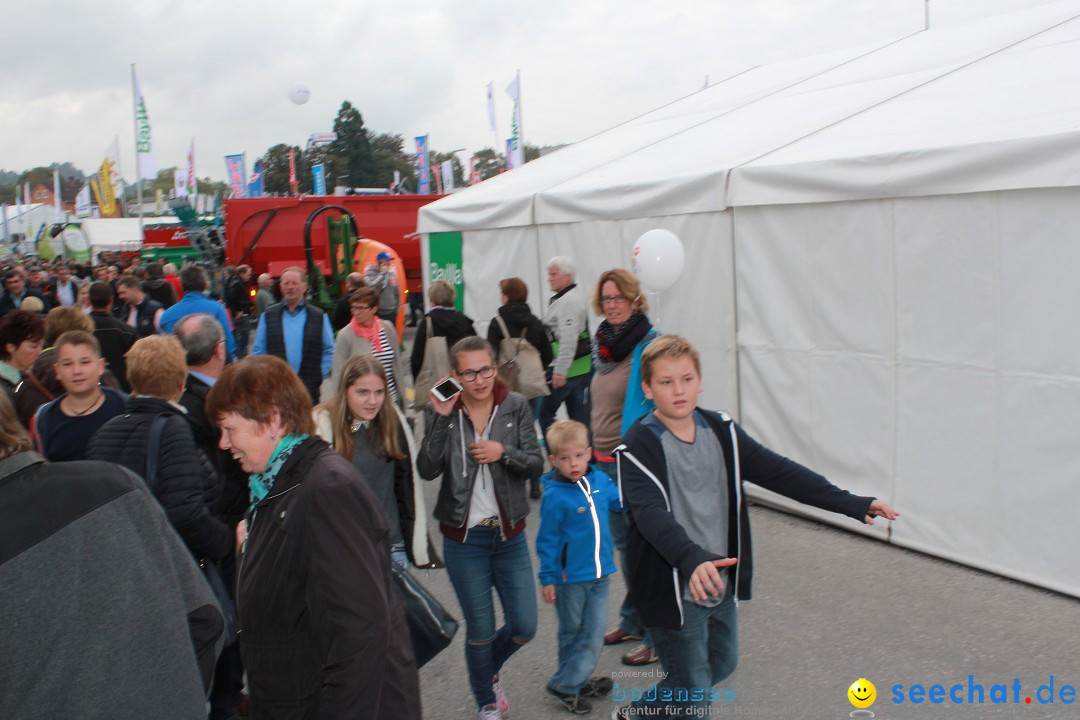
point(194, 281)
point(297, 332)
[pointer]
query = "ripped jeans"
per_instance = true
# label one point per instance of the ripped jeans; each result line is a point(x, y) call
point(482, 563)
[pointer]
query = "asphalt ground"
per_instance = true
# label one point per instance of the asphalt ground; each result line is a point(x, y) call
point(829, 608)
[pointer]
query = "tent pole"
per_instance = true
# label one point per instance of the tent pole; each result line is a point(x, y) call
point(735, 323)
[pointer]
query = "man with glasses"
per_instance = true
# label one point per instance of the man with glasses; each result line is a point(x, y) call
point(567, 323)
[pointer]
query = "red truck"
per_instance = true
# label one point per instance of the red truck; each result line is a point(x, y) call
point(268, 233)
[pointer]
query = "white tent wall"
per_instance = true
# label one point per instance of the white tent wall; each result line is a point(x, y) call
point(891, 232)
point(700, 306)
point(925, 350)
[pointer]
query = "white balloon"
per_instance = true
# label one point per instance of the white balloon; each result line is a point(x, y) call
point(658, 259)
point(299, 94)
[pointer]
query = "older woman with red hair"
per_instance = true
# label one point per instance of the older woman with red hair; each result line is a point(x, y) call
point(322, 631)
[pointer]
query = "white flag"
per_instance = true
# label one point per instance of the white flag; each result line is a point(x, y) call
point(448, 175)
point(192, 182)
point(491, 107)
point(517, 144)
point(82, 202)
point(112, 154)
point(144, 144)
point(180, 183)
point(56, 196)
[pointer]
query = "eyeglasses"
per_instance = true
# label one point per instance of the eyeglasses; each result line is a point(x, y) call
point(485, 372)
point(617, 299)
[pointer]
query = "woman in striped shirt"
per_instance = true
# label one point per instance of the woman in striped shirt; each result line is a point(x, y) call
point(367, 334)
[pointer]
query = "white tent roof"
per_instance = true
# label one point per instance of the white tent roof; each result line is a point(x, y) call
point(993, 104)
point(117, 234)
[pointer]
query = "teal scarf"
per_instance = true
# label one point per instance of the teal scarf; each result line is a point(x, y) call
point(261, 483)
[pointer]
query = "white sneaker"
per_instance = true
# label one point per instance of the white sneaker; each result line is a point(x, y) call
point(489, 712)
point(500, 696)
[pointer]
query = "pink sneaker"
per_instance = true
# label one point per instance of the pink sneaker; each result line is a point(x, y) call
point(500, 697)
point(489, 712)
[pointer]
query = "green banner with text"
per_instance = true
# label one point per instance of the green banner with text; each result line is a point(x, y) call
point(444, 254)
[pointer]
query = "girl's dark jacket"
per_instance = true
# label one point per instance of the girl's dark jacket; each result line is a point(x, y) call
point(322, 629)
point(661, 557)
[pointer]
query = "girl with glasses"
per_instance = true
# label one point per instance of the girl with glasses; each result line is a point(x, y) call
point(483, 443)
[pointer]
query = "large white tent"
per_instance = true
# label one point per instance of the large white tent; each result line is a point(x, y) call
point(882, 253)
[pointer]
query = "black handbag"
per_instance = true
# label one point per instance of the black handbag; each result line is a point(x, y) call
point(213, 575)
point(432, 628)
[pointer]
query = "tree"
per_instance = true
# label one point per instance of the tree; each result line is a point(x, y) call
point(276, 168)
point(438, 158)
point(353, 148)
point(390, 155)
point(489, 163)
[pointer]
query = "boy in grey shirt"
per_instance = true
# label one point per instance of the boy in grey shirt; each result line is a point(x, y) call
point(688, 551)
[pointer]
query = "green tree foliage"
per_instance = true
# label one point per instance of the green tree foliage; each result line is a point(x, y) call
point(489, 163)
point(276, 168)
point(437, 159)
point(353, 149)
point(390, 155)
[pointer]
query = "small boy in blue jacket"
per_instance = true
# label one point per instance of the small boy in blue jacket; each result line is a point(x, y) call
point(575, 550)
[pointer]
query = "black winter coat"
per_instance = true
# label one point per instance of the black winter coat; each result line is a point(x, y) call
point(187, 484)
point(322, 628)
point(445, 322)
point(518, 317)
point(232, 501)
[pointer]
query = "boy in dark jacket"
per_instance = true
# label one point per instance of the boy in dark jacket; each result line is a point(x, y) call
point(688, 549)
point(575, 550)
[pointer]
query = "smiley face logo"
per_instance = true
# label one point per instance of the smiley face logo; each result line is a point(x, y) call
point(862, 693)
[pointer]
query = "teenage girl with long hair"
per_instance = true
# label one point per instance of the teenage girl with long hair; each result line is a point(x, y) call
point(367, 428)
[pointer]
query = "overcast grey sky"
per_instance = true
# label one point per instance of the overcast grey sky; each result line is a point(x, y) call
point(220, 71)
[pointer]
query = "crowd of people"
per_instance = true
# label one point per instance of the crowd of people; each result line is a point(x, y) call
point(278, 442)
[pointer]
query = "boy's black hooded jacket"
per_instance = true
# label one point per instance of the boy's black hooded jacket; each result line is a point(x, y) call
point(660, 556)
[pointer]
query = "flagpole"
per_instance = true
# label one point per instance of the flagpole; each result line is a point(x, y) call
point(138, 165)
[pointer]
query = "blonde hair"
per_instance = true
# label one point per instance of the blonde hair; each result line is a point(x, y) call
point(564, 433)
point(629, 288)
point(32, 304)
point(671, 347)
point(442, 293)
point(384, 429)
point(61, 319)
point(157, 366)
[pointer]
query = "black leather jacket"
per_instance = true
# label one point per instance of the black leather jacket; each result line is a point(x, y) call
point(445, 452)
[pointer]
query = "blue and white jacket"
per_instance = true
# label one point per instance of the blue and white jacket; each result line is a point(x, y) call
point(574, 541)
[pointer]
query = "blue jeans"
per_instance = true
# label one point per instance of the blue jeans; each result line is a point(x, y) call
point(696, 658)
point(399, 555)
point(575, 393)
point(485, 561)
point(629, 622)
point(582, 610)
